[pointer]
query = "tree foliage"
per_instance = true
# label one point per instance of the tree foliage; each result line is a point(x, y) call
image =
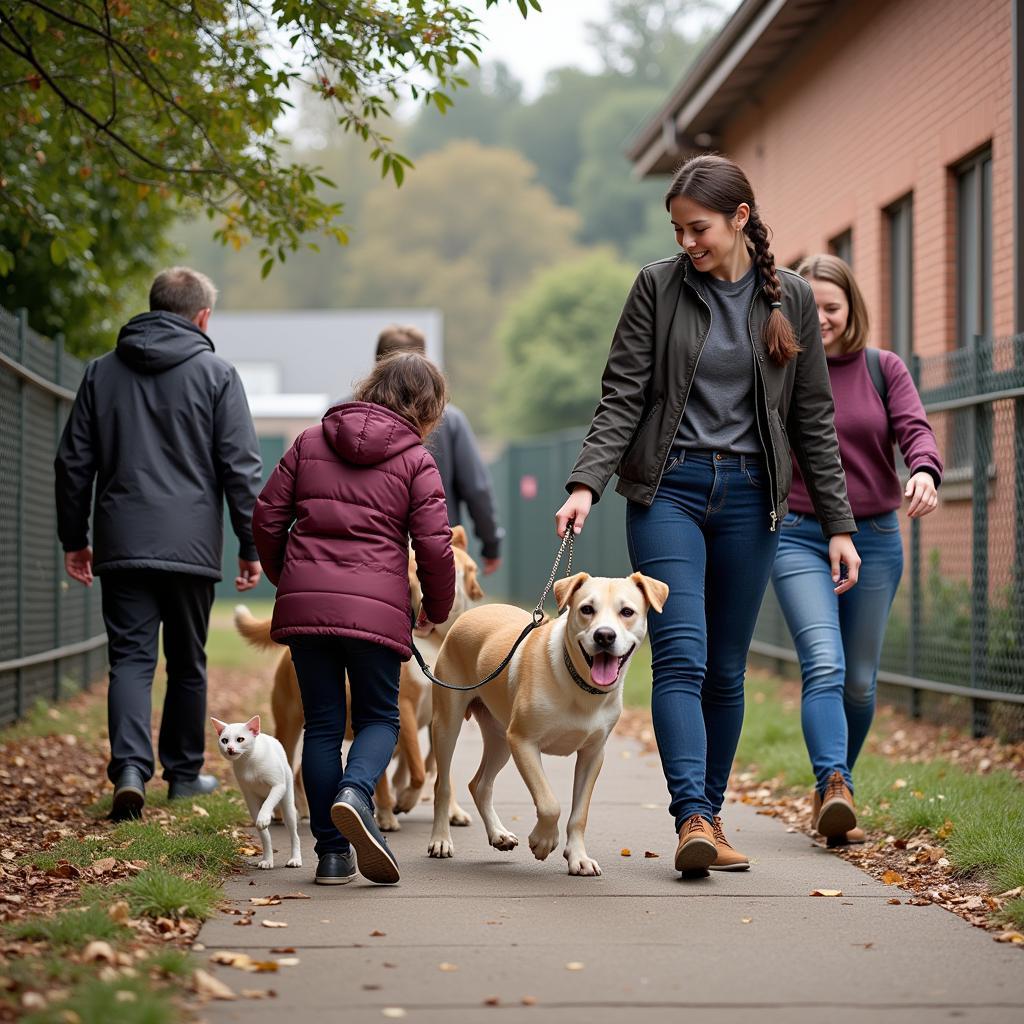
point(554, 343)
point(161, 102)
point(465, 234)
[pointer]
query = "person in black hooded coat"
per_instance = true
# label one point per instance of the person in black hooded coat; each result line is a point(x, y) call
point(162, 428)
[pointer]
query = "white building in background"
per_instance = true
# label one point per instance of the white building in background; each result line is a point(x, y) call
point(295, 363)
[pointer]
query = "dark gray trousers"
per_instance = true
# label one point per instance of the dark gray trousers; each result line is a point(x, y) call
point(135, 603)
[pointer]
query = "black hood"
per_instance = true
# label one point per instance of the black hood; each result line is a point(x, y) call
point(154, 342)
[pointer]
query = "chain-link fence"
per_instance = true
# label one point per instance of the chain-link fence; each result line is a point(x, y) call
point(954, 649)
point(51, 629)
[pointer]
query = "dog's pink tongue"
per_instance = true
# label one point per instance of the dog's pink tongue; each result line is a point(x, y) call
point(605, 669)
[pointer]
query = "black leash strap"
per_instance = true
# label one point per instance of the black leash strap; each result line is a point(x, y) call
point(536, 619)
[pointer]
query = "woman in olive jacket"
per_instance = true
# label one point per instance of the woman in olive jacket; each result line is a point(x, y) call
point(715, 373)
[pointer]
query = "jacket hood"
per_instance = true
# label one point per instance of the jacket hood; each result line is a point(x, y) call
point(154, 342)
point(367, 434)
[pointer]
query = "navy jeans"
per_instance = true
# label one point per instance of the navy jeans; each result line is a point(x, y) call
point(838, 639)
point(708, 536)
point(321, 664)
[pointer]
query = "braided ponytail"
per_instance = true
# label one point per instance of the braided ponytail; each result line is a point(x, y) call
point(777, 333)
point(719, 184)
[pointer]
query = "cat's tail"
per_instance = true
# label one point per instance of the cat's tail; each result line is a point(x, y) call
point(256, 631)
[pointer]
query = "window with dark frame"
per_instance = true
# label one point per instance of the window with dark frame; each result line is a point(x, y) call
point(842, 246)
point(973, 279)
point(900, 223)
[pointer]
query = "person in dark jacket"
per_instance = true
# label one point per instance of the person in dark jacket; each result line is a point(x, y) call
point(161, 426)
point(838, 638)
point(463, 473)
point(332, 527)
point(715, 369)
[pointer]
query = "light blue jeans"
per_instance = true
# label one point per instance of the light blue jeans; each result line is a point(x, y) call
point(838, 638)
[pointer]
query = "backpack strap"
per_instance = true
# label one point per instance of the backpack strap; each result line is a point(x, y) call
point(874, 361)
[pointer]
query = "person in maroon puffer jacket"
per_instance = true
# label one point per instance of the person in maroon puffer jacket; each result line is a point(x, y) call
point(332, 527)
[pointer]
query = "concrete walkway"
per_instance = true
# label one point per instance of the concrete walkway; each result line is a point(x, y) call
point(732, 947)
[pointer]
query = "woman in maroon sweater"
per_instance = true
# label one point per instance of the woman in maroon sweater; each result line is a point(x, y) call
point(332, 527)
point(838, 638)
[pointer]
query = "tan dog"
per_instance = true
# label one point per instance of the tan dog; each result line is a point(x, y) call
point(561, 694)
point(413, 698)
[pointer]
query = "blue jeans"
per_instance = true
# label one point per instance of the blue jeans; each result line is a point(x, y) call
point(707, 535)
point(321, 664)
point(838, 639)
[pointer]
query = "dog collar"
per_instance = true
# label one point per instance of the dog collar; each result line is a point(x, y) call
point(578, 679)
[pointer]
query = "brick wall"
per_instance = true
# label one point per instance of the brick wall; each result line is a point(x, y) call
point(881, 101)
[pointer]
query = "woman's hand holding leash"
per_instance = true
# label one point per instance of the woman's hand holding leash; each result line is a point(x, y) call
point(577, 507)
point(842, 552)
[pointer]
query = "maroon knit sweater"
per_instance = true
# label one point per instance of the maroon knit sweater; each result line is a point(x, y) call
point(867, 434)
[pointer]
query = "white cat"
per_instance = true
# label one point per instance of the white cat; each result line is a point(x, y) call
point(265, 779)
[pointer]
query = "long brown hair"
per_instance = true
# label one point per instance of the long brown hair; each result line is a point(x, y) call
point(826, 267)
point(408, 384)
point(718, 184)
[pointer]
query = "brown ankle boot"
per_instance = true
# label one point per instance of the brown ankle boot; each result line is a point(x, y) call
point(854, 837)
point(696, 850)
point(836, 815)
point(728, 859)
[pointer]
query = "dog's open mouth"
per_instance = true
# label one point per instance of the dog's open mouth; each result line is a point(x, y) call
point(605, 668)
point(423, 627)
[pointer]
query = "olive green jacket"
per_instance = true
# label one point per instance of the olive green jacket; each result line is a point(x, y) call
point(653, 359)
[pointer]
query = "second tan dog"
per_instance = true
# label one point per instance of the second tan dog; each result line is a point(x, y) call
point(561, 694)
point(413, 697)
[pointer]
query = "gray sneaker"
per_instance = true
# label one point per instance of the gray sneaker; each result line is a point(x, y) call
point(178, 789)
point(353, 818)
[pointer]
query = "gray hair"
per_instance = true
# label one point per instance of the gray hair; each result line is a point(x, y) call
point(183, 291)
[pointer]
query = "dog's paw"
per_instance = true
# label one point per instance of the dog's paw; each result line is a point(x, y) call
point(503, 840)
point(295, 862)
point(581, 864)
point(543, 840)
point(387, 822)
point(263, 821)
point(406, 800)
point(265, 865)
point(457, 816)
point(441, 848)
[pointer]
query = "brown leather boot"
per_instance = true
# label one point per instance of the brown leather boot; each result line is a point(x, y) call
point(836, 815)
point(728, 859)
point(696, 850)
point(854, 837)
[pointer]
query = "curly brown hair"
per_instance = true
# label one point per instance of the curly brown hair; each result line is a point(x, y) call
point(410, 385)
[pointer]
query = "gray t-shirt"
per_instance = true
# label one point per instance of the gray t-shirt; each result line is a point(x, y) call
point(720, 409)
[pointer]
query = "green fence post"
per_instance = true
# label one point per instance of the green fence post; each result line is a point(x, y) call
point(19, 571)
point(981, 415)
point(914, 637)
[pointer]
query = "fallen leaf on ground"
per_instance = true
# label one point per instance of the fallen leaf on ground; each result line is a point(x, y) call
point(294, 896)
point(282, 949)
point(212, 988)
point(99, 951)
point(103, 865)
point(273, 924)
point(1015, 937)
point(827, 892)
point(574, 965)
point(394, 1012)
point(255, 993)
point(492, 1001)
point(892, 878)
point(201, 811)
point(529, 1000)
point(377, 933)
point(447, 967)
point(626, 852)
point(746, 920)
point(894, 902)
point(119, 911)
point(650, 853)
point(289, 961)
point(265, 901)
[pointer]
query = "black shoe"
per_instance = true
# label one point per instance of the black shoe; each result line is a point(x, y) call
point(336, 869)
point(199, 786)
point(129, 795)
point(353, 818)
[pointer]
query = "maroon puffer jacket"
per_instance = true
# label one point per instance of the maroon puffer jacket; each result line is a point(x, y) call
point(353, 491)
